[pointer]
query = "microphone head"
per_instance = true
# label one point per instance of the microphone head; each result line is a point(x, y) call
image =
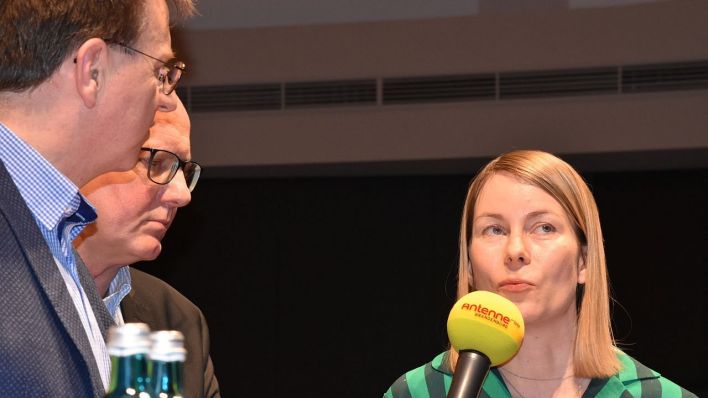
point(486, 322)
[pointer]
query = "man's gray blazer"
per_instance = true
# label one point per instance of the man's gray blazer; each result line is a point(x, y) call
point(44, 350)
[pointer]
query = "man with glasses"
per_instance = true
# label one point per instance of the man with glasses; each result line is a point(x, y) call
point(80, 83)
point(135, 210)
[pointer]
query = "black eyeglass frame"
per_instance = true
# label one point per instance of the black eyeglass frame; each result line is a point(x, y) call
point(181, 164)
point(163, 78)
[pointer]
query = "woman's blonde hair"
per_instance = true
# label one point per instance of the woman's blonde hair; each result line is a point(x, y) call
point(594, 352)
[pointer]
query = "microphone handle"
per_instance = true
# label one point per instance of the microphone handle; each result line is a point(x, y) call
point(470, 372)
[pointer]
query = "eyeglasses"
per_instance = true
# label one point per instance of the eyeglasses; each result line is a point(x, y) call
point(168, 75)
point(162, 167)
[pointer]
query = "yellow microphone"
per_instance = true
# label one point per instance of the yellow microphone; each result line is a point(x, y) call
point(486, 329)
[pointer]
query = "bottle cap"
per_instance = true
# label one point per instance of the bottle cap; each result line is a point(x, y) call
point(168, 346)
point(129, 339)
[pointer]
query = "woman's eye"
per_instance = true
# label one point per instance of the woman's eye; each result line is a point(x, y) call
point(545, 228)
point(493, 230)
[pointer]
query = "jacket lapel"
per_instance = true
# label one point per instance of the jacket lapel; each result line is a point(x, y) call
point(133, 310)
point(103, 317)
point(41, 263)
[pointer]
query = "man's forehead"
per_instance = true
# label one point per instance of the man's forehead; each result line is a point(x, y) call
point(155, 34)
point(169, 137)
point(177, 118)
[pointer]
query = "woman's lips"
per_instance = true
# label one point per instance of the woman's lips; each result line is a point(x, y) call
point(515, 286)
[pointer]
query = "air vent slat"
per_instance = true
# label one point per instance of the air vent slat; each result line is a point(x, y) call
point(558, 78)
point(352, 92)
point(662, 77)
point(438, 89)
point(441, 92)
point(558, 82)
point(231, 98)
point(679, 78)
point(550, 87)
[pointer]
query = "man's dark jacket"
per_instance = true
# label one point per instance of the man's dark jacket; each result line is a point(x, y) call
point(158, 304)
point(44, 350)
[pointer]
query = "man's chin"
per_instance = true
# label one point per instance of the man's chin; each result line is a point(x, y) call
point(149, 252)
point(155, 252)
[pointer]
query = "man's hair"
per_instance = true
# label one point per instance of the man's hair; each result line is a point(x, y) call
point(36, 36)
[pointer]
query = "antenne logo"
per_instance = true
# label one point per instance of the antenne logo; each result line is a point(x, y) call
point(488, 314)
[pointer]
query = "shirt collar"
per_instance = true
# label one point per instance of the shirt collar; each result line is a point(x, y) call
point(119, 288)
point(441, 363)
point(49, 194)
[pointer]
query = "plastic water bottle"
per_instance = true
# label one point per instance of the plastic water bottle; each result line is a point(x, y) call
point(167, 357)
point(128, 346)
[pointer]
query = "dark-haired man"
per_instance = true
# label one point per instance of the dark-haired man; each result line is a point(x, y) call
point(80, 82)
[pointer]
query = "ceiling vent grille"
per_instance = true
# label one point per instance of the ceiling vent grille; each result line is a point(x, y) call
point(663, 77)
point(351, 92)
point(454, 88)
point(231, 98)
point(438, 89)
point(558, 83)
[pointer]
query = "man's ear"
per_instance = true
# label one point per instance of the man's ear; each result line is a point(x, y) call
point(582, 264)
point(90, 65)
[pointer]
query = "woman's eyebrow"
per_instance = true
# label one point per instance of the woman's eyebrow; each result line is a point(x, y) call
point(489, 215)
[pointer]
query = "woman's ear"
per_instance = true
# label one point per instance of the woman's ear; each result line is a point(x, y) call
point(582, 267)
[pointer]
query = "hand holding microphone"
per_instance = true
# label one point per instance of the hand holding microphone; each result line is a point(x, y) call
point(486, 329)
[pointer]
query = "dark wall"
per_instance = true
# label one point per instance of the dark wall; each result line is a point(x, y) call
point(336, 286)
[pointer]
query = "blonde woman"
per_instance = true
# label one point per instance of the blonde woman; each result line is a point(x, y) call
point(531, 232)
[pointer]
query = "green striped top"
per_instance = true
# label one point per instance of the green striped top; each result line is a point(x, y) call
point(635, 380)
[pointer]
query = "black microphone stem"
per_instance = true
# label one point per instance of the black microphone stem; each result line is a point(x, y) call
point(470, 372)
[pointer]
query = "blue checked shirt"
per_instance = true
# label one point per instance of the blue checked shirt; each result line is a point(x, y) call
point(117, 290)
point(61, 213)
